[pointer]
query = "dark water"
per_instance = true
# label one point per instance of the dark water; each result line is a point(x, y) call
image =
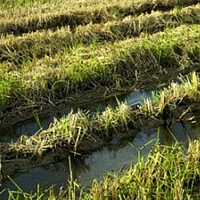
point(112, 158)
point(30, 127)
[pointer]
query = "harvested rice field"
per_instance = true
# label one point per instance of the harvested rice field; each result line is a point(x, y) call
point(65, 59)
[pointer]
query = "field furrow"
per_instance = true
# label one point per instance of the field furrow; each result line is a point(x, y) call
point(122, 66)
point(25, 20)
point(47, 42)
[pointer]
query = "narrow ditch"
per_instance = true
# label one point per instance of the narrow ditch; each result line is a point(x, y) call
point(114, 157)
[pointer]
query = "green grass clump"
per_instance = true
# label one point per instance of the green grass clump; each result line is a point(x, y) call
point(5, 88)
point(113, 120)
point(189, 88)
point(120, 66)
point(73, 128)
point(167, 173)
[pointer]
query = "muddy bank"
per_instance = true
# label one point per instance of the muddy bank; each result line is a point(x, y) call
point(44, 17)
point(46, 147)
point(81, 100)
point(15, 115)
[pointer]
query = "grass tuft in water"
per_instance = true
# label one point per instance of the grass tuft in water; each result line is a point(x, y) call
point(168, 172)
point(38, 195)
point(111, 119)
point(190, 85)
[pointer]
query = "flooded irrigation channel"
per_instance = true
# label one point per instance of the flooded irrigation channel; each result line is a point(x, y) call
point(116, 156)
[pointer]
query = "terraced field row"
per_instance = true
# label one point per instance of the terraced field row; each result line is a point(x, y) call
point(49, 42)
point(24, 19)
point(119, 55)
point(120, 66)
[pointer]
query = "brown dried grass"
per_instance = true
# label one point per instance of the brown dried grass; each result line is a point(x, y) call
point(55, 15)
point(39, 44)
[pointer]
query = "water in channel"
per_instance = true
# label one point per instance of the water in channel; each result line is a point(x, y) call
point(115, 157)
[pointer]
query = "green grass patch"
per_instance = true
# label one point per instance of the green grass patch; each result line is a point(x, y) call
point(6, 83)
point(167, 173)
point(125, 64)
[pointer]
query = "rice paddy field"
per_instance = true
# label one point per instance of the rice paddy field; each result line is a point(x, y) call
point(64, 53)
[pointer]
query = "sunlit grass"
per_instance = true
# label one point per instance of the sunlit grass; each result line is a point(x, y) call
point(191, 85)
point(187, 88)
point(124, 64)
point(52, 50)
point(112, 120)
point(168, 172)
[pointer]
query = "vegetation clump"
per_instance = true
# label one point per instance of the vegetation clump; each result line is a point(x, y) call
point(166, 173)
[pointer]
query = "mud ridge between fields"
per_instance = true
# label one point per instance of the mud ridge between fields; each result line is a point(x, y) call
point(44, 148)
point(20, 113)
point(16, 49)
point(53, 21)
